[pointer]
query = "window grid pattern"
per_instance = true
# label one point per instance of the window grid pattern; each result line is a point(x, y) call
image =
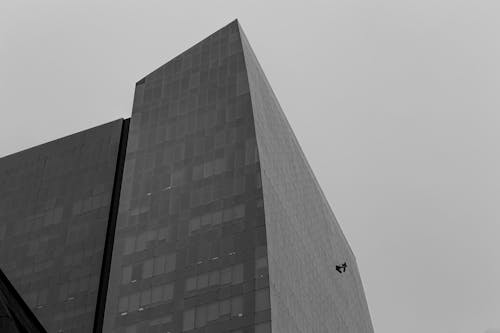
point(192, 169)
point(54, 208)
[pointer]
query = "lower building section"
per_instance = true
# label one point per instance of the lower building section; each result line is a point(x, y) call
point(55, 203)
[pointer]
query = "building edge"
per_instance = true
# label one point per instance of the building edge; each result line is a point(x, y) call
point(110, 232)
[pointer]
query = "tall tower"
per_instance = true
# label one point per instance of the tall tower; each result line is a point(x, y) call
point(222, 226)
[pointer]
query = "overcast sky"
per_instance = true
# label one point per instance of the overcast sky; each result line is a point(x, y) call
point(395, 103)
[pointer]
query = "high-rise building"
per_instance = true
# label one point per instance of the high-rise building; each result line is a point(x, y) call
point(199, 214)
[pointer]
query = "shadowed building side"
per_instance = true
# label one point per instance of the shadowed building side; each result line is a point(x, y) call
point(54, 209)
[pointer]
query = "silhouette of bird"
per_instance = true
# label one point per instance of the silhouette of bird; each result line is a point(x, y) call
point(341, 268)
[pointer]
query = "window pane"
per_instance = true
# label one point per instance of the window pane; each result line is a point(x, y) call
point(213, 311)
point(239, 211)
point(263, 328)
point(129, 245)
point(217, 218)
point(157, 294)
point(202, 281)
point(170, 263)
point(146, 297)
point(261, 263)
point(168, 292)
point(262, 300)
point(237, 306)
point(194, 224)
point(188, 320)
point(237, 274)
point(131, 329)
point(159, 265)
point(225, 276)
point(133, 303)
point(123, 304)
point(225, 307)
point(201, 316)
point(228, 215)
point(141, 242)
point(126, 274)
point(136, 272)
point(214, 278)
point(164, 234)
point(191, 284)
point(206, 220)
point(147, 270)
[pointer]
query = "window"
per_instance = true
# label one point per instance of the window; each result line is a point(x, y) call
point(239, 211)
point(159, 265)
point(163, 320)
point(194, 224)
point(188, 320)
point(237, 274)
point(164, 234)
point(141, 242)
point(133, 302)
point(263, 328)
point(131, 329)
point(225, 307)
point(198, 172)
point(214, 278)
point(146, 297)
point(213, 311)
point(261, 267)
point(177, 177)
point(202, 281)
point(206, 220)
point(168, 292)
point(208, 169)
point(147, 269)
point(123, 304)
point(262, 300)
point(170, 263)
point(239, 185)
point(233, 274)
point(191, 284)
point(220, 166)
point(129, 245)
point(227, 215)
point(261, 263)
point(201, 316)
point(217, 218)
point(237, 306)
point(157, 294)
point(225, 276)
point(126, 274)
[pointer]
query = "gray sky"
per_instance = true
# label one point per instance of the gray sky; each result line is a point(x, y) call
point(395, 103)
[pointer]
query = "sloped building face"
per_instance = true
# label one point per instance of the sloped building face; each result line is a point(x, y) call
point(220, 223)
point(54, 210)
point(305, 242)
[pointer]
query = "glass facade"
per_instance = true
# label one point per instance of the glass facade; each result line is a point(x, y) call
point(200, 214)
point(190, 244)
point(54, 207)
